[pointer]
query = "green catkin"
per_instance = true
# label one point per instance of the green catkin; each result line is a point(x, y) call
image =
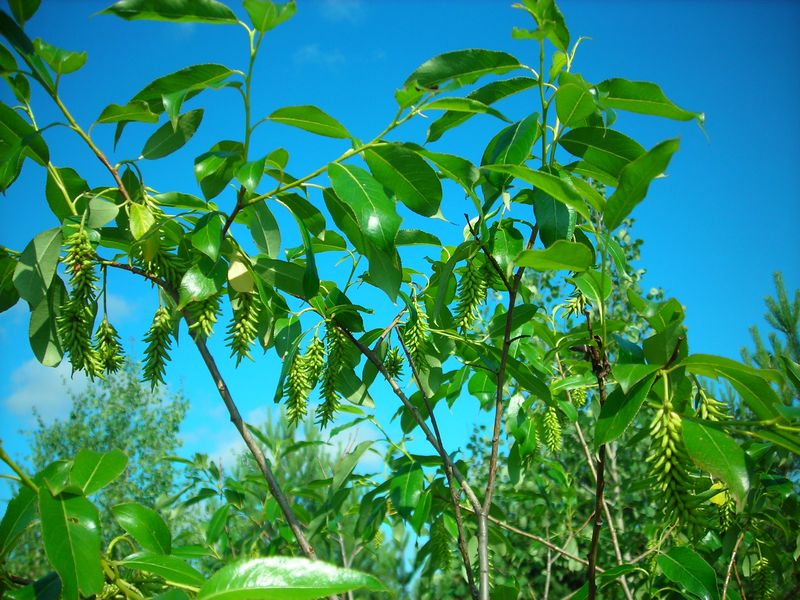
point(334, 345)
point(109, 591)
point(158, 344)
point(80, 261)
point(761, 575)
point(75, 331)
point(298, 387)
point(471, 295)
point(164, 265)
point(415, 336)
point(668, 463)
point(243, 327)
point(441, 545)
point(315, 359)
point(109, 350)
point(394, 363)
point(726, 512)
point(578, 397)
point(204, 315)
point(710, 409)
point(552, 430)
point(378, 539)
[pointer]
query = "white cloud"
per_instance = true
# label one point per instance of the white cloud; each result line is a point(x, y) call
point(44, 388)
point(313, 54)
point(351, 11)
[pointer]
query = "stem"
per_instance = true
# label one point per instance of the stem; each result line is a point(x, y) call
point(544, 103)
point(731, 564)
point(23, 477)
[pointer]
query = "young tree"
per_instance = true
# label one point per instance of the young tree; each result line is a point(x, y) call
point(546, 195)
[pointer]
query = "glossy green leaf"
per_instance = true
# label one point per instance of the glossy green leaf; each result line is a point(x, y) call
point(249, 174)
point(464, 105)
point(462, 67)
point(305, 211)
point(416, 237)
point(751, 386)
point(348, 462)
point(23, 10)
point(9, 295)
point(202, 280)
point(629, 374)
point(92, 471)
point(20, 511)
point(167, 139)
point(180, 200)
point(550, 22)
point(634, 181)
point(688, 569)
point(71, 535)
point(215, 169)
point(620, 410)
point(571, 256)
point(555, 219)
point(141, 220)
point(264, 229)
point(172, 569)
point(17, 132)
point(182, 11)
point(574, 103)
point(603, 148)
point(284, 578)
point(408, 175)
point(385, 271)
point(283, 275)
point(44, 588)
point(217, 523)
point(311, 119)
point(145, 525)
point(453, 167)
point(595, 285)
point(65, 189)
point(406, 486)
point(37, 266)
point(24, 47)
point(506, 244)
point(207, 235)
point(266, 15)
point(376, 214)
point(42, 331)
point(136, 110)
point(642, 97)
point(488, 94)
point(61, 61)
point(512, 146)
point(187, 82)
point(717, 453)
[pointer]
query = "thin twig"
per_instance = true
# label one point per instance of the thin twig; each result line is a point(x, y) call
point(731, 564)
point(489, 256)
point(23, 477)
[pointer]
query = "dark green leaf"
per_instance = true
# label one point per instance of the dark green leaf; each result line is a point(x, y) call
point(555, 219)
point(23, 45)
point(174, 570)
point(217, 524)
point(469, 106)
point(605, 149)
point(8, 293)
point(642, 97)
point(23, 10)
point(460, 170)
point(71, 536)
point(19, 513)
point(283, 275)
point(61, 61)
point(620, 410)
point(214, 169)
point(92, 471)
point(407, 175)
point(283, 578)
point(42, 330)
point(688, 569)
point(571, 256)
point(207, 235)
point(44, 588)
point(416, 237)
point(37, 266)
point(311, 119)
point(167, 139)
point(180, 200)
point(202, 280)
point(462, 67)
point(406, 486)
point(17, 132)
point(264, 229)
point(187, 82)
point(717, 453)
point(145, 525)
point(305, 211)
point(183, 11)
point(385, 271)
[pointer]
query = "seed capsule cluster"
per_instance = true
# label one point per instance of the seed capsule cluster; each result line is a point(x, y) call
point(552, 430)
point(441, 544)
point(204, 314)
point(709, 408)
point(668, 463)
point(761, 575)
point(334, 347)
point(471, 295)
point(109, 350)
point(243, 328)
point(415, 336)
point(304, 373)
point(158, 343)
point(394, 363)
point(726, 512)
point(578, 397)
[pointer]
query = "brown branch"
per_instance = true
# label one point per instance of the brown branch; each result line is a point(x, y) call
point(239, 206)
point(731, 564)
point(235, 416)
point(462, 540)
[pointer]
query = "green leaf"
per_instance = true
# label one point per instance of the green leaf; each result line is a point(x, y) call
point(464, 105)
point(167, 139)
point(9, 295)
point(182, 11)
point(574, 103)
point(311, 119)
point(751, 386)
point(642, 97)
point(284, 578)
point(511, 146)
point(145, 525)
point(71, 535)
point(180, 200)
point(596, 286)
point(408, 175)
point(44, 588)
point(606, 149)
point(620, 410)
point(571, 256)
point(376, 214)
point(42, 331)
point(687, 568)
point(17, 132)
point(460, 170)
point(266, 15)
point(203, 280)
point(348, 462)
point(385, 271)
point(61, 61)
point(23, 45)
point(92, 471)
point(64, 189)
point(416, 237)
point(283, 275)
point(37, 266)
point(141, 220)
point(264, 229)
point(629, 374)
point(174, 570)
point(214, 169)
point(634, 181)
point(305, 211)
point(488, 94)
point(249, 174)
point(188, 82)
point(406, 486)
point(23, 10)
point(20, 511)
point(217, 524)
point(100, 212)
point(555, 219)
point(717, 453)
point(207, 235)
point(462, 67)
point(135, 110)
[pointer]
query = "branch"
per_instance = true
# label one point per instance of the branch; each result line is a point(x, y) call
point(23, 477)
point(489, 256)
point(731, 564)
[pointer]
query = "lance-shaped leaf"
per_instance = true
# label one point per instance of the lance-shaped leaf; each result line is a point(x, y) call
point(172, 569)
point(570, 256)
point(406, 486)
point(462, 67)
point(17, 132)
point(264, 229)
point(268, 15)
point(408, 175)
point(634, 181)
point(61, 61)
point(8, 293)
point(19, 513)
point(92, 471)
point(555, 219)
point(310, 118)
point(559, 188)
point(717, 453)
point(44, 588)
point(167, 139)
point(145, 525)
point(42, 331)
point(460, 170)
point(642, 97)
point(620, 410)
point(249, 174)
point(136, 110)
point(284, 578)
point(488, 94)
point(71, 536)
point(207, 235)
point(37, 266)
point(182, 11)
point(464, 105)
point(375, 212)
point(688, 569)
point(188, 82)
point(23, 45)
point(214, 169)
point(608, 150)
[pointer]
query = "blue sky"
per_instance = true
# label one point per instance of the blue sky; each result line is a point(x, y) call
point(716, 229)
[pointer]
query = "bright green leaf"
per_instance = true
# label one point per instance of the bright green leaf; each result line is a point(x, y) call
point(249, 174)
point(605, 149)
point(172, 569)
point(20, 511)
point(136, 110)
point(642, 97)
point(688, 569)
point(182, 11)
point(462, 67)
point(264, 229)
point(311, 119)
point(167, 139)
point(620, 410)
point(145, 525)
point(408, 175)
point(92, 471)
point(574, 103)
point(571, 256)
point(61, 61)
point(717, 453)
point(207, 235)
point(266, 15)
